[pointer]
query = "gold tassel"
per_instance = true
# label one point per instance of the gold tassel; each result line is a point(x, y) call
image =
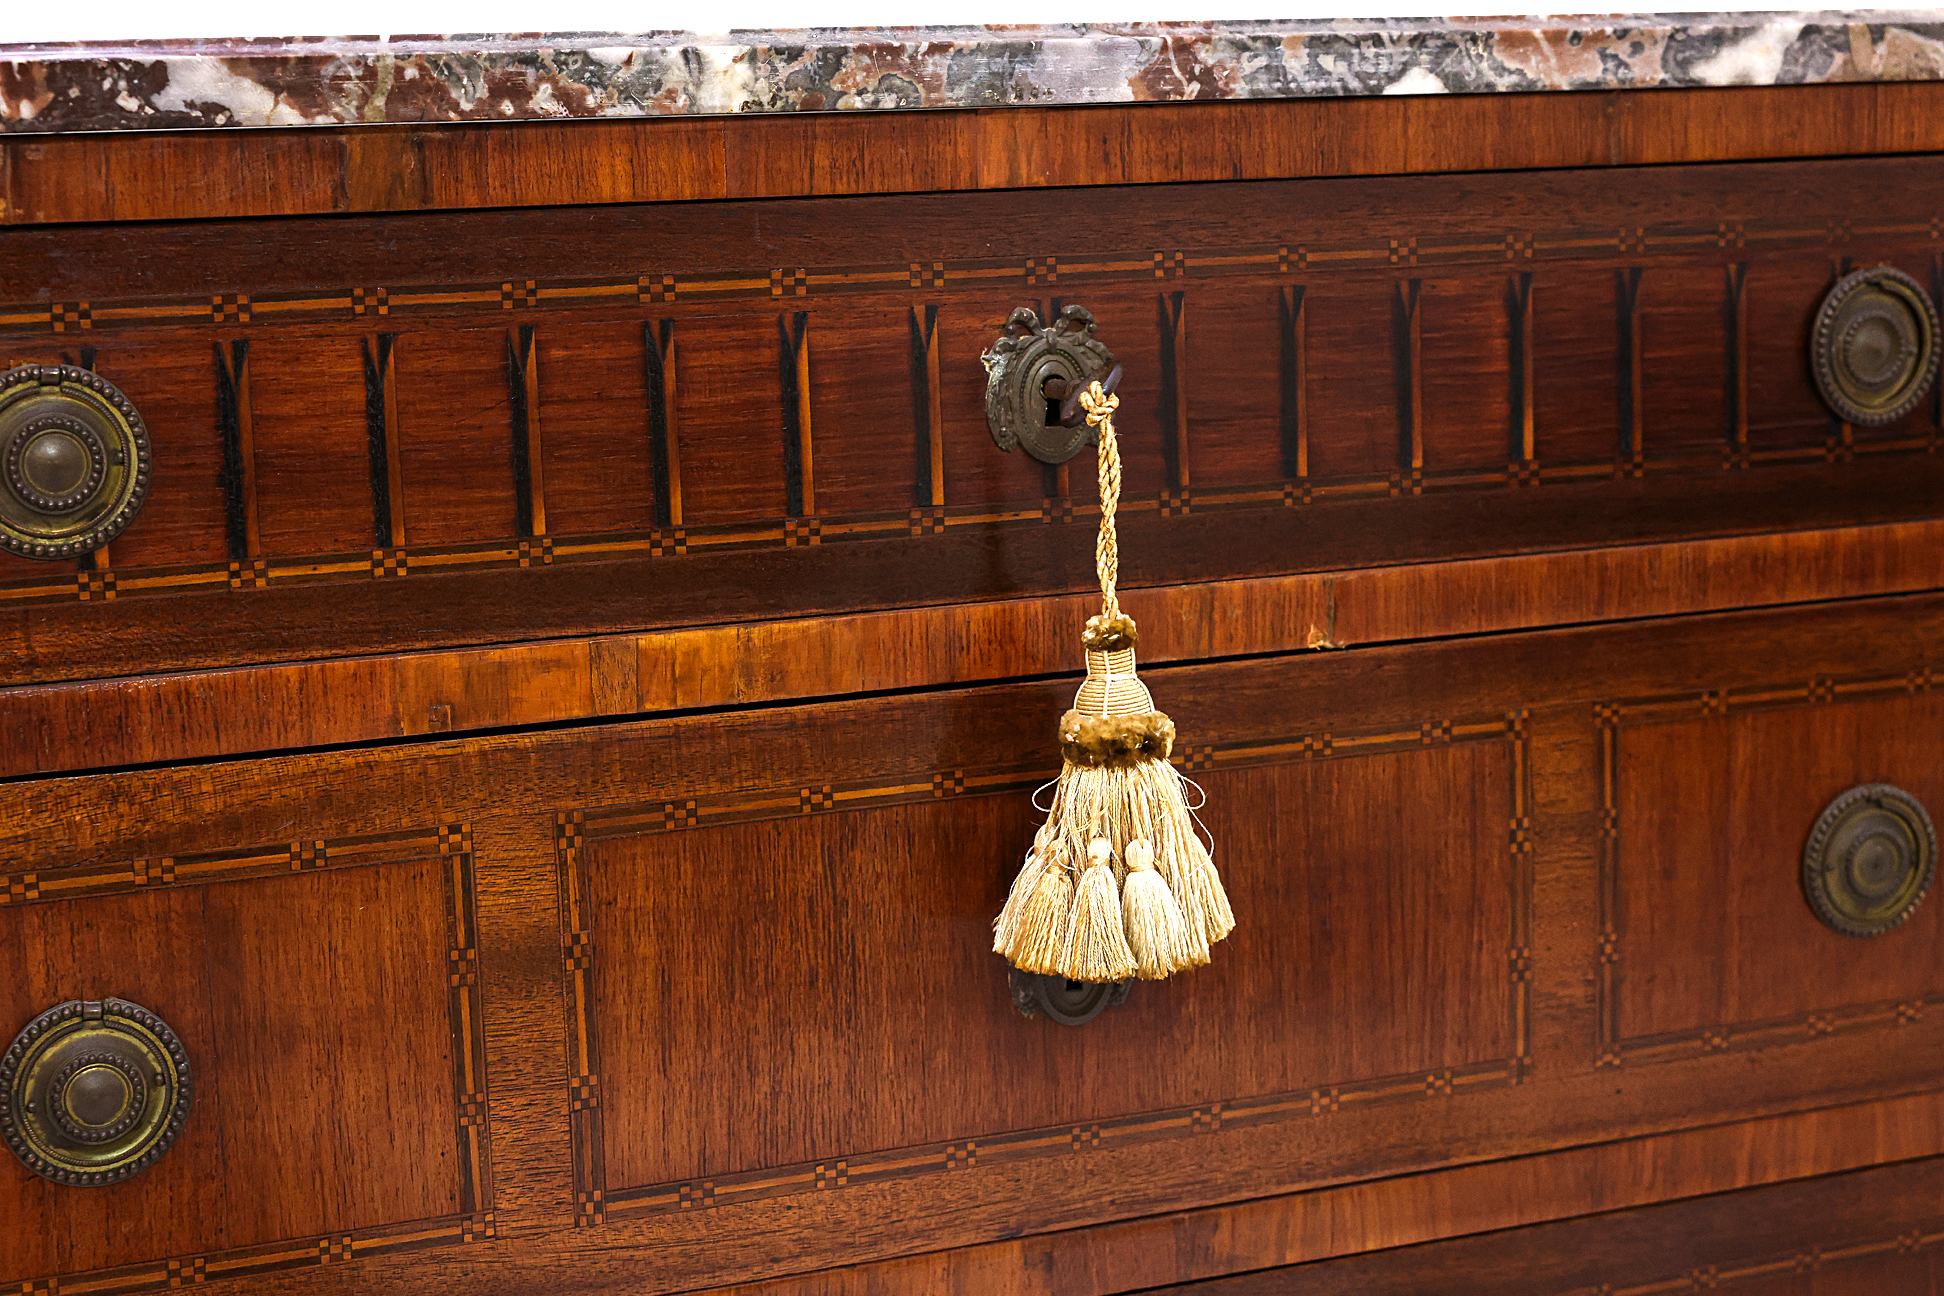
point(1149, 901)
point(1195, 924)
point(1156, 930)
point(1005, 928)
point(1179, 855)
point(1096, 942)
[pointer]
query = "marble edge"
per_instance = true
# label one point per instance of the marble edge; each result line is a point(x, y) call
point(333, 81)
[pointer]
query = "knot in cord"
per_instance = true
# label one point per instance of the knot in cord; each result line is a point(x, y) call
point(1100, 406)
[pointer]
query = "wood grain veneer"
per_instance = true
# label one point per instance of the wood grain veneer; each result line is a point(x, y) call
point(628, 873)
point(1321, 375)
point(196, 174)
point(331, 1015)
point(46, 728)
point(555, 737)
point(1867, 1230)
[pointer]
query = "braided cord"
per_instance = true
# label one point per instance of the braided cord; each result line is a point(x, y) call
point(1100, 407)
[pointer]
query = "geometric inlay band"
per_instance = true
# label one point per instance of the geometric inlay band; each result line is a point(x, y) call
point(452, 845)
point(511, 554)
point(1666, 1046)
point(596, 1202)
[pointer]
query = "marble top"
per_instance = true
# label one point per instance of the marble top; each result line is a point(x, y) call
point(149, 85)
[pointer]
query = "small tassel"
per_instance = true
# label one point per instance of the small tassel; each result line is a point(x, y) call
point(1005, 928)
point(1096, 940)
point(1042, 926)
point(1202, 895)
point(1156, 930)
point(1178, 856)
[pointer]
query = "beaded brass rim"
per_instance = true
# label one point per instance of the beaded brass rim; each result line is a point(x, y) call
point(1870, 860)
point(1877, 346)
point(93, 1092)
point(74, 461)
point(71, 1112)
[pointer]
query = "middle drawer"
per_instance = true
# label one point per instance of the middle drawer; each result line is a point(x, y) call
point(741, 1008)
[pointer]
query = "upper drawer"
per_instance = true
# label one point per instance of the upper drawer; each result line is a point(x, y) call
point(446, 429)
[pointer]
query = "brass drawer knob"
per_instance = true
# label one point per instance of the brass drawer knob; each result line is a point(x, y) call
point(1869, 860)
point(93, 1092)
point(1876, 346)
point(74, 461)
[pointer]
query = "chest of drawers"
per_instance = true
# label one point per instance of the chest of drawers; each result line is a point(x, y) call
point(521, 800)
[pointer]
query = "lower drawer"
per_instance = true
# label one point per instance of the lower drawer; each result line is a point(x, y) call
point(734, 1001)
point(1870, 1231)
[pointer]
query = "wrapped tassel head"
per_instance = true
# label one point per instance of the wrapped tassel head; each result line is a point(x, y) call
point(1113, 720)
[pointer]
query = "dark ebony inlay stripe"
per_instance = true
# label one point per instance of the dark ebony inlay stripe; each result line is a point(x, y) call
point(923, 329)
point(790, 333)
point(519, 346)
point(1626, 296)
point(230, 361)
point(658, 346)
point(1290, 372)
point(377, 367)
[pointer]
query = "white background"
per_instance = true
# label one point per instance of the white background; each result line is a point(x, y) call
point(25, 21)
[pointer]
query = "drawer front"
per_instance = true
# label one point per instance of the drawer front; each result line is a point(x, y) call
point(325, 994)
point(837, 1020)
point(1721, 790)
point(449, 429)
point(745, 1021)
point(1869, 1231)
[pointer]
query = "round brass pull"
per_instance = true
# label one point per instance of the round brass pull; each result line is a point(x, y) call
point(74, 461)
point(1869, 860)
point(1876, 346)
point(93, 1092)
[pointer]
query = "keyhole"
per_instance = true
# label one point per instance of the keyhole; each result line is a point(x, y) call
point(1055, 392)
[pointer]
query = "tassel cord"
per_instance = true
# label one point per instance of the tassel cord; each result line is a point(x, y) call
point(1100, 407)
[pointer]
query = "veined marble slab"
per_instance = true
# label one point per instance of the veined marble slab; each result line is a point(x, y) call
point(336, 81)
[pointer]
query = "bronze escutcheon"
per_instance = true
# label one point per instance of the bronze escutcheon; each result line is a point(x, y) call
point(1033, 379)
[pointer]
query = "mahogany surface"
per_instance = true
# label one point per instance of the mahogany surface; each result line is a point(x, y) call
point(170, 175)
point(555, 737)
point(1324, 374)
point(1866, 1231)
